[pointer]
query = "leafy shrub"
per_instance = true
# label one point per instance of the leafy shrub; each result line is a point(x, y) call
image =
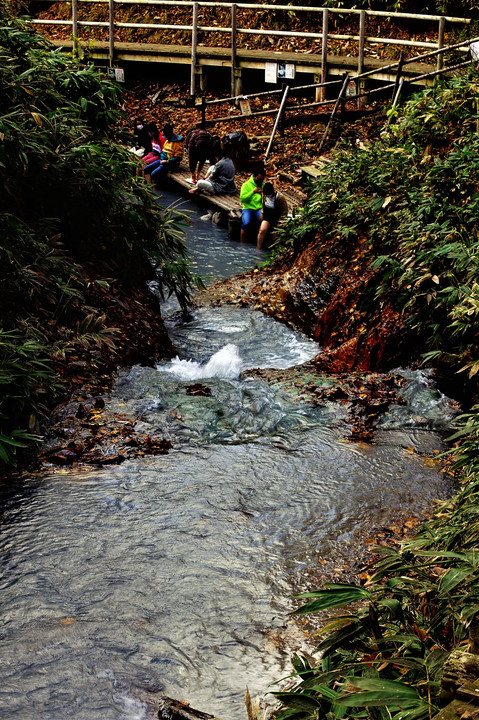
point(414, 195)
point(72, 212)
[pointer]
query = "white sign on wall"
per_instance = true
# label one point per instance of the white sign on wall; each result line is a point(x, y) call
point(474, 48)
point(117, 74)
point(278, 71)
point(270, 72)
point(286, 71)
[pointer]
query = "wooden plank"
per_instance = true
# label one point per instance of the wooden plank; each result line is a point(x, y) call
point(249, 59)
point(226, 203)
point(194, 49)
point(310, 172)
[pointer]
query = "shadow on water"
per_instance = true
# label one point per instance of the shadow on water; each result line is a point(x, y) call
point(173, 573)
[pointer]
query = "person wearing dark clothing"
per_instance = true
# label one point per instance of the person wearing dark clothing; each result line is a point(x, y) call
point(141, 139)
point(275, 206)
point(237, 146)
point(201, 146)
point(220, 179)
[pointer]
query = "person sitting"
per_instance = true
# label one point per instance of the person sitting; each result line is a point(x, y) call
point(201, 146)
point(251, 196)
point(141, 139)
point(220, 178)
point(275, 206)
point(170, 156)
point(157, 140)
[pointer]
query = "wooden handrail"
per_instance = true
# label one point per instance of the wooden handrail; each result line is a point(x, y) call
point(235, 31)
point(289, 8)
point(278, 33)
point(240, 31)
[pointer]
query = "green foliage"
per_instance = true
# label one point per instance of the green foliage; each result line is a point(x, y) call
point(463, 8)
point(25, 383)
point(71, 207)
point(388, 651)
point(413, 200)
point(414, 196)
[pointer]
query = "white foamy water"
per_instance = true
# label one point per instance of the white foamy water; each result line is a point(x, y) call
point(225, 364)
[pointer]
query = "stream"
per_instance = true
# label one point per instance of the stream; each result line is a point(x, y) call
point(174, 573)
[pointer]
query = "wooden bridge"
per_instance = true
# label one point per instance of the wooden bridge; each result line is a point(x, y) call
point(109, 44)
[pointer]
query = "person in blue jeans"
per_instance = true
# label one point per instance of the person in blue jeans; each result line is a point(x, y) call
point(170, 157)
point(251, 196)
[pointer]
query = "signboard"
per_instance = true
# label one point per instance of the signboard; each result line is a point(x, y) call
point(270, 72)
point(117, 74)
point(245, 107)
point(351, 89)
point(279, 71)
point(286, 71)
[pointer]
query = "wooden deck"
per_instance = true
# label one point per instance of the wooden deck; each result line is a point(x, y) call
point(223, 203)
point(229, 206)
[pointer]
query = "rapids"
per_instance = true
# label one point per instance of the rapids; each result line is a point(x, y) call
point(174, 573)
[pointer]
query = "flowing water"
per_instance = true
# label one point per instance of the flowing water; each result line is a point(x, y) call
point(174, 573)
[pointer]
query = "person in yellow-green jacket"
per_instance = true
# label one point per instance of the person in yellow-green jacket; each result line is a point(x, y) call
point(251, 196)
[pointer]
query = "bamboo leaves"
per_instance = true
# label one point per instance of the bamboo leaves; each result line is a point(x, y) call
point(376, 692)
point(387, 653)
point(69, 198)
point(331, 596)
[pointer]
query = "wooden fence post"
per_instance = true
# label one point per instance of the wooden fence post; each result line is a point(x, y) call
point(398, 75)
point(335, 110)
point(233, 49)
point(440, 42)
point(396, 95)
point(278, 118)
point(362, 34)
point(194, 43)
point(283, 114)
point(111, 30)
point(321, 92)
point(75, 27)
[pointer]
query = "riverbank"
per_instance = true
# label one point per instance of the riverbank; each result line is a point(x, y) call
point(254, 471)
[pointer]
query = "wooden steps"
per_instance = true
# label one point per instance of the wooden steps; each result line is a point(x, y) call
point(313, 171)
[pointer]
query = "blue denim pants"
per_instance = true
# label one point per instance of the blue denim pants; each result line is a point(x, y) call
point(250, 217)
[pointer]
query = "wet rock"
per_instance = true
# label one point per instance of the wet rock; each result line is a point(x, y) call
point(198, 389)
point(157, 446)
point(81, 412)
point(170, 709)
point(63, 457)
point(112, 459)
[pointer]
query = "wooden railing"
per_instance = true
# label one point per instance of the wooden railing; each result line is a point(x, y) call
point(235, 30)
point(360, 94)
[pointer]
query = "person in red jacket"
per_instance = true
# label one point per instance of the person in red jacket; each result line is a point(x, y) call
point(170, 157)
